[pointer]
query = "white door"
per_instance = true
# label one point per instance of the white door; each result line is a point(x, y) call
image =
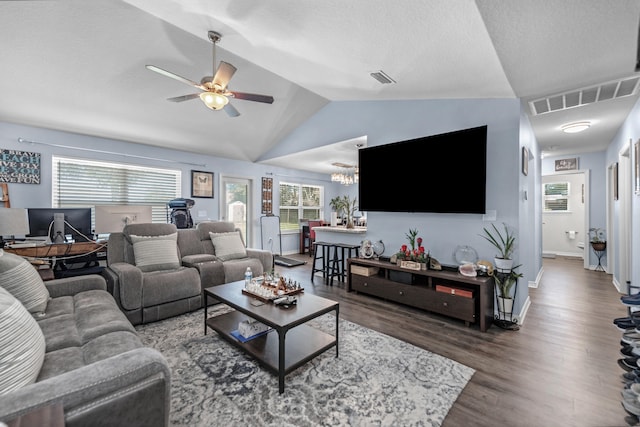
point(236, 204)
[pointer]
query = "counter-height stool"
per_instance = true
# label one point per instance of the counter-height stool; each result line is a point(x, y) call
point(347, 250)
point(325, 252)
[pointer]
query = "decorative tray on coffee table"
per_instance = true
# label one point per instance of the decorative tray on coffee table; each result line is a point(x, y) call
point(266, 291)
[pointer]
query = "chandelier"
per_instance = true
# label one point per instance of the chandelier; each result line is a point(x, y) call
point(345, 174)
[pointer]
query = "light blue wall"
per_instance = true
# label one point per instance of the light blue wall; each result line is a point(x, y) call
point(629, 131)
point(382, 122)
point(385, 122)
point(31, 196)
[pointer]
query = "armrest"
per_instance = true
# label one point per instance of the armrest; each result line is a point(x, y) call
point(73, 285)
point(127, 286)
point(210, 268)
point(104, 388)
point(265, 256)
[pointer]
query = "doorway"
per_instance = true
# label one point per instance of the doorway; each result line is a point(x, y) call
point(564, 215)
point(619, 219)
point(236, 204)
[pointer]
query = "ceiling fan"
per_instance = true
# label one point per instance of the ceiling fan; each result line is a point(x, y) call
point(215, 93)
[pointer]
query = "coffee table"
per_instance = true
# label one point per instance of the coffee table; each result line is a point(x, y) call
point(294, 343)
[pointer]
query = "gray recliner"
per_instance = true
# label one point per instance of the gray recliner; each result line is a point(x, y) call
point(147, 292)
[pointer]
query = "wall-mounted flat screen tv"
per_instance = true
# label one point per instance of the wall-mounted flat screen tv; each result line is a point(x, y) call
point(443, 173)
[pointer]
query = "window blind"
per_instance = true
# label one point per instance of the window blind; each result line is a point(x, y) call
point(298, 202)
point(81, 183)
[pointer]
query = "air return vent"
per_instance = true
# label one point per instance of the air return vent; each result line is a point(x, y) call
point(382, 77)
point(585, 96)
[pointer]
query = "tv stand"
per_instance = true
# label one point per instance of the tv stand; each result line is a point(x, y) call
point(472, 300)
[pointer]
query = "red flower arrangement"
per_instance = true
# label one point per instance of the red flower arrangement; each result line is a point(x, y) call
point(414, 253)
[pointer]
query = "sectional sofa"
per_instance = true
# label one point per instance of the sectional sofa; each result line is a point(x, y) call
point(67, 343)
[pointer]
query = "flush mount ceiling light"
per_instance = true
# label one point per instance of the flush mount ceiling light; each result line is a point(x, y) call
point(575, 127)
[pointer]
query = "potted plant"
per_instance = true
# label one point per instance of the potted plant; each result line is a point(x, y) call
point(597, 239)
point(504, 243)
point(347, 205)
point(337, 205)
point(504, 284)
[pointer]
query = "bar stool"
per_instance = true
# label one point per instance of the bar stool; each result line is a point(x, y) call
point(320, 252)
point(347, 251)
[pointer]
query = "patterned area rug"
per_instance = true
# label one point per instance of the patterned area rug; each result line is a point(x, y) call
point(376, 380)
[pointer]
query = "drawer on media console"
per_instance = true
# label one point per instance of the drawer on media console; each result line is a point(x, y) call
point(460, 307)
point(394, 291)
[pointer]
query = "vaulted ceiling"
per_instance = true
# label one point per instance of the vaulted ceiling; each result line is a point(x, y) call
point(79, 66)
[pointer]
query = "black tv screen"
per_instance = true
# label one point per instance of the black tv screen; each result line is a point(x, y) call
point(443, 173)
point(72, 221)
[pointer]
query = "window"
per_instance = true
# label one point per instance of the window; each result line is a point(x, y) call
point(556, 197)
point(81, 183)
point(298, 202)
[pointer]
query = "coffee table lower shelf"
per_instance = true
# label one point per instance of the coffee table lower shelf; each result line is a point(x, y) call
point(303, 342)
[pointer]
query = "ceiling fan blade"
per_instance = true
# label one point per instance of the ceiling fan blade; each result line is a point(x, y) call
point(253, 97)
point(174, 76)
point(224, 74)
point(184, 97)
point(231, 110)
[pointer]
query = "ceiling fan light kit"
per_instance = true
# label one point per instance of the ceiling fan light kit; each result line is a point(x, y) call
point(575, 127)
point(214, 100)
point(215, 94)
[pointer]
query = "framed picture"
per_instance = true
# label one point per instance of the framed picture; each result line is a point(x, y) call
point(614, 176)
point(202, 184)
point(525, 161)
point(636, 159)
point(567, 164)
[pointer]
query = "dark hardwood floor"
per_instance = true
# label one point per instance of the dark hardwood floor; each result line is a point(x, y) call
point(559, 369)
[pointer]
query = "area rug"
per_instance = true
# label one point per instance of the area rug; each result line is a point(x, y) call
point(376, 380)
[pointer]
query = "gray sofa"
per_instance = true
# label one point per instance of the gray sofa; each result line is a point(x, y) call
point(94, 363)
point(171, 288)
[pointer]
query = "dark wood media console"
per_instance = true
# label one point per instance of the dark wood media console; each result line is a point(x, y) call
point(417, 288)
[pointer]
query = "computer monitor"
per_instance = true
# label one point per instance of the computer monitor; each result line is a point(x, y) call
point(113, 218)
point(60, 224)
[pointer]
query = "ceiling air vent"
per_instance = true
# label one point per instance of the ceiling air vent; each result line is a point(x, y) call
point(382, 77)
point(585, 96)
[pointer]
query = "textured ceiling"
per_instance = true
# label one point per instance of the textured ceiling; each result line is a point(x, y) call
point(79, 66)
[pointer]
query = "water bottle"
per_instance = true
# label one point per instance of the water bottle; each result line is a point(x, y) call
point(248, 275)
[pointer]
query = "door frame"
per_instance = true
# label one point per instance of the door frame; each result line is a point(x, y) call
point(224, 179)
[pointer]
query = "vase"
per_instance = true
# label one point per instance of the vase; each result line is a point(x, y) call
point(503, 265)
point(349, 222)
point(505, 305)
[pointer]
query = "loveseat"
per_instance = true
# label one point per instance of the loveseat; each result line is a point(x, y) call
point(155, 271)
point(67, 342)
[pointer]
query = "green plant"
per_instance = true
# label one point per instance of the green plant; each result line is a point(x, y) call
point(505, 281)
point(505, 243)
point(597, 235)
point(337, 204)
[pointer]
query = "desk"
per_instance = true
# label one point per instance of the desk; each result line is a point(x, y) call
point(58, 250)
point(58, 253)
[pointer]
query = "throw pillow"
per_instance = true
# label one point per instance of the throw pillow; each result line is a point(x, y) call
point(22, 281)
point(153, 253)
point(228, 245)
point(22, 345)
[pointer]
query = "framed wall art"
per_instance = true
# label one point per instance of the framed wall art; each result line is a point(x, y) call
point(636, 167)
point(525, 161)
point(21, 167)
point(614, 176)
point(567, 164)
point(202, 184)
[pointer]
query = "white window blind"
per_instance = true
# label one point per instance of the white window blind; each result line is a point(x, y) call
point(556, 197)
point(298, 202)
point(82, 183)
